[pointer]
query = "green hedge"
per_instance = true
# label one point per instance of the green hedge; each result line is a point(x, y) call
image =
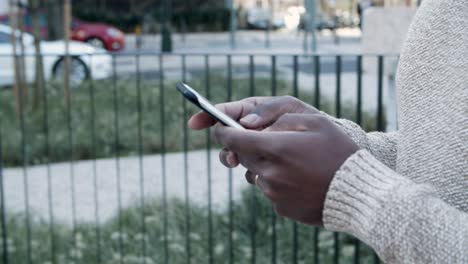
point(81, 244)
point(80, 133)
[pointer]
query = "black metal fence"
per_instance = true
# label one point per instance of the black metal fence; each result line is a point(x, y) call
point(140, 89)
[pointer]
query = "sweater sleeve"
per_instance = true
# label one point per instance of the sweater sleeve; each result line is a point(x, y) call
point(402, 221)
point(382, 146)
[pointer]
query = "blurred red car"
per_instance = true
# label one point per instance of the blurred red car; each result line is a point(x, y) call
point(97, 34)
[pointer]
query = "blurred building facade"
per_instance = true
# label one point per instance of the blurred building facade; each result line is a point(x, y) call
point(3, 5)
point(139, 5)
point(281, 3)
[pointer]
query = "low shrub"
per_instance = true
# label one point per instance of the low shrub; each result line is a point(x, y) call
point(124, 238)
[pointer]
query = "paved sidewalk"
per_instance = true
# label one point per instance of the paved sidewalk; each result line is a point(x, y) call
point(107, 185)
point(252, 42)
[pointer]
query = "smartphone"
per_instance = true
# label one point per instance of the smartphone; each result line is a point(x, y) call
point(195, 98)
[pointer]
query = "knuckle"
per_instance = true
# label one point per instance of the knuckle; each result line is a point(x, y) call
point(223, 155)
point(216, 133)
point(318, 121)
point(273, 184)
point(225, 139)
point(294, 103)
point(321, 119)
point(290, 99)
point(285, 118)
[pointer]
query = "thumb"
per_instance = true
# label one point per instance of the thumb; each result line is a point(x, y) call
point(268, 112)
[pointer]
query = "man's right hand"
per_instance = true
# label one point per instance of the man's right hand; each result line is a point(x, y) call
point(255, 113)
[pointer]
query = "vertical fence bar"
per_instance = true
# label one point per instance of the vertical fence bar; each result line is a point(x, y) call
point(338, 87)
point(140, 159)
point(208, 165)
point(25, 175)
point(380, 121)
point(317, 80)
point(296, 94)
point(359, 90)
point(117, 157)
point(2, 208)
point(68, 103)
point(163, 158)
point(273, 75)
point(253, 222)
point(273, 213)
point(316, 245)
point(317, 105)
point(295, 76)
point(92, 101)
point(231, 213)
point(357, 243)
point(251, 75)
point(45, 129)
point(336, 236)
point(186, 180)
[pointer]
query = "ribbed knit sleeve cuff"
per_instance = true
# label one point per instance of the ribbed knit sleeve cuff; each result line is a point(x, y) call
point(351, 129)
point(357, 195)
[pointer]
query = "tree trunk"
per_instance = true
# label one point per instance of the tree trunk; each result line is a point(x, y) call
point(22, 58)
point(132, 6)
point(16, 85)
point(55, 20)
point(39, 69)
point(66, 29)
point(325, 7)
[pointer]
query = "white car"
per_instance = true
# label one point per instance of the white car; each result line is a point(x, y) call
point(262, 18)
point(86, 60)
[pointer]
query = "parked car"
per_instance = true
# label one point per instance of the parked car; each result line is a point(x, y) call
point(97, 34)
point(260, 18)
point(322, 22)
point(85, 59)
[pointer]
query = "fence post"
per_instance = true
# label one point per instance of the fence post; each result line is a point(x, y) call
point(166, 29)
point(208, 166)
point(2, 208)
point(66, 29)
point(233, 24)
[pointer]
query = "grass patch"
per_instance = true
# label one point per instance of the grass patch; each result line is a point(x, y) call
point(82, 245)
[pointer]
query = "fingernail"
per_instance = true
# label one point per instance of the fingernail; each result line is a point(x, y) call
point(230, 159)
point(250, 118)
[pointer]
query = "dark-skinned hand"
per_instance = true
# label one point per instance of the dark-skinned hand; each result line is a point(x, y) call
point(254, 113)
point(295, 155)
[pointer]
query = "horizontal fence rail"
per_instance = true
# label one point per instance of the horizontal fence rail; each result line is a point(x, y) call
point(125, 123)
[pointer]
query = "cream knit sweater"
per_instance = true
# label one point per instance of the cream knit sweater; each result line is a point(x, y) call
point(406, 193)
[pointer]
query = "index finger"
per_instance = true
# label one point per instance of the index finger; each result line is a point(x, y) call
point(236, 110)
point(252, 142)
